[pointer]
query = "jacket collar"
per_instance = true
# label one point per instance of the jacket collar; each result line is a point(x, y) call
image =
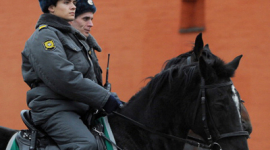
point(59, 24)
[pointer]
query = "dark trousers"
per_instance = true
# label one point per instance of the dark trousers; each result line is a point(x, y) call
point(68, 130)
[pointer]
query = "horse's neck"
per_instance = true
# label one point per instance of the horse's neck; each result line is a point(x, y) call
point(132, 137)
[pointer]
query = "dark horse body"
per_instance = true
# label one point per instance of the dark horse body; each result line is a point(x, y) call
point(195, 97)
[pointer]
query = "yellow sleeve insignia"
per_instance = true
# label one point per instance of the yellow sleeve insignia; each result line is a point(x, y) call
point(49, 45)
point(42, 27)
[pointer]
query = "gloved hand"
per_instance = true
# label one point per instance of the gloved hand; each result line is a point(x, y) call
point(116, 96)
point(112, 104)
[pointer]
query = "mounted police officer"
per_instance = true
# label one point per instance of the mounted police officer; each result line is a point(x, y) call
point(58, 65)
point(83, 22)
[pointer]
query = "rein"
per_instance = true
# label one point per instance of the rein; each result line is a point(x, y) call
point(142, 126)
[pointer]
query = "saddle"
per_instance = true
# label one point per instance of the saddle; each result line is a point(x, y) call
point(35, 138)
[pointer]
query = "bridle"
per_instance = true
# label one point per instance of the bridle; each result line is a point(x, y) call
point(204, 116)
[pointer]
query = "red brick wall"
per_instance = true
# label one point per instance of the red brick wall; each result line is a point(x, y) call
point(140, 36)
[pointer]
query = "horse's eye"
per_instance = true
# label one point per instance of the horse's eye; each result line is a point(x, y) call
point(231, 92)
point(219, 93)
point(219, 106)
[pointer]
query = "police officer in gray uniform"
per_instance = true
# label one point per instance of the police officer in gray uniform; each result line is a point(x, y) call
point(83, 22)
point(56, 65)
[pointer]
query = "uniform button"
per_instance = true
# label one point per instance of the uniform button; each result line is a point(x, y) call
point(89, 52)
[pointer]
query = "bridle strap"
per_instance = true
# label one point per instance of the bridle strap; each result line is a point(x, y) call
point(142, 126)
point(215, 85)
point(189, 60)
point(203, 106)
point(232, 134)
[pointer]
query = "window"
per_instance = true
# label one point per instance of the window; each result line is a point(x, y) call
point(192, 16)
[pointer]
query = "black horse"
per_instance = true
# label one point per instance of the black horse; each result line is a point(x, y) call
point(197, 96)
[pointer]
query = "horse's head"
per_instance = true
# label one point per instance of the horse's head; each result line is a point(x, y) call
point(217, 118)
point(201, 50)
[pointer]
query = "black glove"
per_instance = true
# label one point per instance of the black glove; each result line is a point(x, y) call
point(116, 96)
point(112, 104)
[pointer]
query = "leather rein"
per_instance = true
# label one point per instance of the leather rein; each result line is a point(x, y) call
point(142, 126)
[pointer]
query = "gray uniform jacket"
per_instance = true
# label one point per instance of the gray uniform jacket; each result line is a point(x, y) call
point(56, 60)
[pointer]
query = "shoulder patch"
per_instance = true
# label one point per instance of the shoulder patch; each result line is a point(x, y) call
point(49, 45)
point(42, 27)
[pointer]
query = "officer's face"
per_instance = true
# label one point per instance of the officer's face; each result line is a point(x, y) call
point(83, 23)
point(64, 9)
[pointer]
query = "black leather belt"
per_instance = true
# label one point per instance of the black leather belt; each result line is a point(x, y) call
point(36, 84)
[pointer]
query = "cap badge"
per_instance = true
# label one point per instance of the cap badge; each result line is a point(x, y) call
point(90, 2)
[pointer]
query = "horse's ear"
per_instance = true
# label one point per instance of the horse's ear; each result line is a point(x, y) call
point(206, 70)
point(198, 46)
point(235, 62)
point(206, 47)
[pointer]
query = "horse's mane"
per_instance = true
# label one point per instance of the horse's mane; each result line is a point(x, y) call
point(184, 76)
point(176, 59)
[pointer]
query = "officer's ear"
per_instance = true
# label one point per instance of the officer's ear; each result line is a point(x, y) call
point(51, 9)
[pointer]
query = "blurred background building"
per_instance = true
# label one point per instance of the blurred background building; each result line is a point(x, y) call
point(140, 36)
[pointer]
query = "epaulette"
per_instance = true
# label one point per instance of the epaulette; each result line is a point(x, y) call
point(42, 27)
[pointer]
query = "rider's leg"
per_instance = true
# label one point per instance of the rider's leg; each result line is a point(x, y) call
point(68, 130)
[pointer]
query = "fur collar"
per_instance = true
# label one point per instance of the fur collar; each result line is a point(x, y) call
point(93, 43)
point(58, 23)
